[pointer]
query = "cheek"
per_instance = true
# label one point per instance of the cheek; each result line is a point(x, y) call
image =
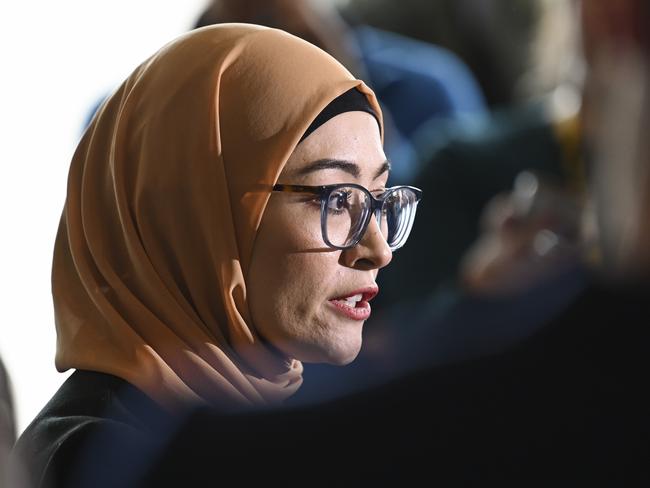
point(290, 228)
point(302, 291)
point(291, 313)
point(290, 275)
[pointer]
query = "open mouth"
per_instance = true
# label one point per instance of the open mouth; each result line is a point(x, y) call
point(352, 301)
point(356, 304)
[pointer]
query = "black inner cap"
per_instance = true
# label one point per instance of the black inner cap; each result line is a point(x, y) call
point(351, 101)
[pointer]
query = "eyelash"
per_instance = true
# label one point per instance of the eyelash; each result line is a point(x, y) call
point(316, 202)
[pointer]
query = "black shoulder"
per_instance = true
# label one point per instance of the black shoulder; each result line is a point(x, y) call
point(89, 412)
point(54, 452)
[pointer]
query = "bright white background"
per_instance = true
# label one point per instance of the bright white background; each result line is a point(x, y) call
point(57, 58)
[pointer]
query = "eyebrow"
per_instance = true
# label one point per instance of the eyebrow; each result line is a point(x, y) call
point(340, 164)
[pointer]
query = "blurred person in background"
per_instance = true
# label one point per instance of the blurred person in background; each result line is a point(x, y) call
point(466, 166)
point(493, 37)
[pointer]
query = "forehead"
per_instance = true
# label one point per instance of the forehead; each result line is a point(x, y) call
point(351, 136)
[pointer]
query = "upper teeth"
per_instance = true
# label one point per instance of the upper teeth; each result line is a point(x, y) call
point(352, 301)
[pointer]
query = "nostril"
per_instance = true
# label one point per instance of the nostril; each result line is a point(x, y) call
point(365, 264)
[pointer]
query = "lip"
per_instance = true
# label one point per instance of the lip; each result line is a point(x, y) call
point(362, 310)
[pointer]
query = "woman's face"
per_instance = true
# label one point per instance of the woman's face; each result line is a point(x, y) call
point(297, 285)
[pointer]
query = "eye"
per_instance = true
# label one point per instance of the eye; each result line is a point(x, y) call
point(338, 201)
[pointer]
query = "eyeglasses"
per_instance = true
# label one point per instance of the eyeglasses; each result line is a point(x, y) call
point(346, 210)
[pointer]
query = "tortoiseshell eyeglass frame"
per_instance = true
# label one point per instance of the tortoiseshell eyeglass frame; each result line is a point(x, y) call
point(376, 205)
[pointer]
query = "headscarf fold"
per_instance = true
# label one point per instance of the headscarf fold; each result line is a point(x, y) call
point(166, 191)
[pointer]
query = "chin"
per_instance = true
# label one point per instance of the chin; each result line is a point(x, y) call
point(340, 356)
point(340, 360)
point(336, 355)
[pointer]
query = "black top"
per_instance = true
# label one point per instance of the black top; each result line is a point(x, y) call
point(90, 409)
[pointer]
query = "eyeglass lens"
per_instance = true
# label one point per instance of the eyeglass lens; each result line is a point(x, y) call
point(347, 211)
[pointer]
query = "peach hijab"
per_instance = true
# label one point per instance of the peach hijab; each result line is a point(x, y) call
point(165, 194)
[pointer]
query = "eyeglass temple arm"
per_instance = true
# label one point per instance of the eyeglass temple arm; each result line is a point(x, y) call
point(316, 190)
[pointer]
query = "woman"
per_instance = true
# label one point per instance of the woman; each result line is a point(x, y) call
point(217, 232)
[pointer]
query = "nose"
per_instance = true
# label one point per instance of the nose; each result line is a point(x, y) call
point(372, 251)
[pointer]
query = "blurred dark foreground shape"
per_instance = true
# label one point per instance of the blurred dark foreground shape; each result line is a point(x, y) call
point(566, 408)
